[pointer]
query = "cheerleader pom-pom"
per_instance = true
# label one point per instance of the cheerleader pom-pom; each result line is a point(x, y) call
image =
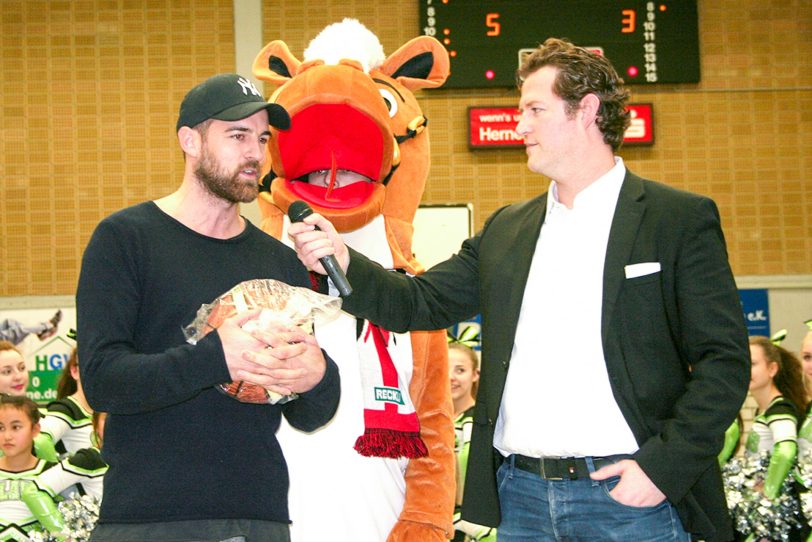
point(752, 512)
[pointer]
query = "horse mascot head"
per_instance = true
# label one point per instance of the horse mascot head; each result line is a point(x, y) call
point(352, 109)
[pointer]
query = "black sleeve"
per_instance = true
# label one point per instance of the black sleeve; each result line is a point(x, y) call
point(316, 407)
point(442, 296)
point(87, 459)
point(116, 377)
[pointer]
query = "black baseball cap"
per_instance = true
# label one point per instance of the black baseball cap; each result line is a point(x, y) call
point(228, 96)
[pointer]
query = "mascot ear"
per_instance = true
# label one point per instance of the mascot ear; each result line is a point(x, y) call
point(421, 62)
point(275, 63)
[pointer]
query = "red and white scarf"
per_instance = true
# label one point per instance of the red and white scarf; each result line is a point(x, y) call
point(391, 426)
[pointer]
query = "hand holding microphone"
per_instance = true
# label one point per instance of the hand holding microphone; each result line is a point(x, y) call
point(297, 212)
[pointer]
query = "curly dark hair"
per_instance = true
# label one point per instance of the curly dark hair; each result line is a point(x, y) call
point(581, 72)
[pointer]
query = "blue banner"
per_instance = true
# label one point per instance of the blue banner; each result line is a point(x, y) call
point(756, 311)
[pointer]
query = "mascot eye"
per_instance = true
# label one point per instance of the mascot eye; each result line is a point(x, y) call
point(391, 102)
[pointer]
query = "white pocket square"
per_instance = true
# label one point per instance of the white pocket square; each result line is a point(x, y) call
point(641, 269)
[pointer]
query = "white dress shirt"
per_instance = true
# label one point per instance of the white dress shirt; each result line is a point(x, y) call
point(557, 399)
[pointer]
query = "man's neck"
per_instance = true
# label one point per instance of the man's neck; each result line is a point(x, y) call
point(202, 212)
point(588, 170)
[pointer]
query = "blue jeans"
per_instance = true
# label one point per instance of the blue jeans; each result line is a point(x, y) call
point(538, 510)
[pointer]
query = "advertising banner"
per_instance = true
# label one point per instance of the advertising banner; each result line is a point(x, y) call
point(45, 353)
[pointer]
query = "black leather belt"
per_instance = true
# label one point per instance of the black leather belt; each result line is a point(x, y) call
point(562, 468)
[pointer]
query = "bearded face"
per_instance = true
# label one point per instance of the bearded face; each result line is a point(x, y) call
point(235, 185)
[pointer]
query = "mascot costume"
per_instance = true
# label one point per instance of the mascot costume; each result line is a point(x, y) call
point(383, 469)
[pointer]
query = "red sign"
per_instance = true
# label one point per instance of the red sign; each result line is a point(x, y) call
point(490, 127)
point(641, 129)
point(495, 127)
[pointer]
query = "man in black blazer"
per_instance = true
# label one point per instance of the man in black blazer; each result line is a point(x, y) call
point(614, 350)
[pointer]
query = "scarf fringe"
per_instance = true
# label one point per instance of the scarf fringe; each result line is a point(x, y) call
point(389, 443)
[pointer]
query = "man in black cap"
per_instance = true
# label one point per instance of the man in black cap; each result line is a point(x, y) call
point(186, 461)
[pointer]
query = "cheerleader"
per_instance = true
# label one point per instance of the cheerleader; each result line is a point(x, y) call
point(68, 421)
point(463, 366)
point(806, 358)
point(76, 484)
point(81, 473)
point(803, 472)
point(78, 475)
point(776, 385)
point(22, 507)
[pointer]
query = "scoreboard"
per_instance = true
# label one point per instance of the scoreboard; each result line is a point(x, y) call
point(647, 42)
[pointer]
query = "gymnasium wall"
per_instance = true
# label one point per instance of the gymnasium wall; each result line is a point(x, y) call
point(90, 91)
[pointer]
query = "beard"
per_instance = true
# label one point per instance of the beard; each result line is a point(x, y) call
point(225, 185)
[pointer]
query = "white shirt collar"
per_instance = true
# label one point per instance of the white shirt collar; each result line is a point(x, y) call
point(600, 193)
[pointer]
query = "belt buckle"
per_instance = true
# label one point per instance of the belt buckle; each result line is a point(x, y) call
point(571, 471)
point(544, 474)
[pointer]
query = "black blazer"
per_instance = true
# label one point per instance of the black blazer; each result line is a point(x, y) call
point(675, 342)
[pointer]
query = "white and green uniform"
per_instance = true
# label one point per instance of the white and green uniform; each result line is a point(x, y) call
point(732, 436)
point(463, 424)
point(463, 530)
point(775, 431)
point(803, 470)
point(68, 425)
point(805, 451)
point(80, 474)
point(22, 507)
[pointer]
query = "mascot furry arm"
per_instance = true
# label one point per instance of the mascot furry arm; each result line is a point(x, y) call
point(357, 111)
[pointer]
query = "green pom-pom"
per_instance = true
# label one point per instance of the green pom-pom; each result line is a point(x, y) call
point(468, 337)
point(778, 337)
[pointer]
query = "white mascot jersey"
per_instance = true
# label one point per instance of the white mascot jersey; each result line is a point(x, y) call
point(336, 494)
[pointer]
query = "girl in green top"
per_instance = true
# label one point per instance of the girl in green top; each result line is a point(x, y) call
point(804, 470)
point(806, 359)
point(463, 367)
point(67, 424)
point(776, 384)
point(22, 507)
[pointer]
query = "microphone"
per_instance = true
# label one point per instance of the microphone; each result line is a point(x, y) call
point(297, 212)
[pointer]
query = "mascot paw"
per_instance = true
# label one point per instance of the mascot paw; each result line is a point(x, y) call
point(411, 531)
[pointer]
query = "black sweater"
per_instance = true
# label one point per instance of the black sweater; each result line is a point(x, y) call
point(178, 449)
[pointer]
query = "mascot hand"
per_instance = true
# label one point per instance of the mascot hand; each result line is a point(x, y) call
point(412, 531)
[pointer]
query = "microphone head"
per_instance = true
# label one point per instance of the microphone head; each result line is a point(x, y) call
point(298, 210)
